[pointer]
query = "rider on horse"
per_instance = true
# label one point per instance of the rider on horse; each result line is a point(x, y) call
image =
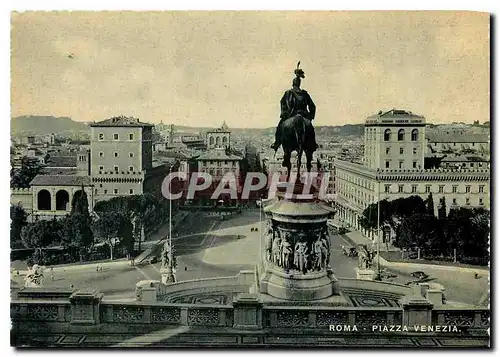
point(296, 101)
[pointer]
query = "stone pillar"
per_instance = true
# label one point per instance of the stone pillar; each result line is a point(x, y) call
point(435, 297)
point(147, 290)
point(416, 311)
point(85, 307)
point(247, 312)
point(365, 274)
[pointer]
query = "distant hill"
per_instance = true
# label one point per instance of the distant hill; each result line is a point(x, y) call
point(33, 124)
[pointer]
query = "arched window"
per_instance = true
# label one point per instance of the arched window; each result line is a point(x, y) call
point(387, 135)
point(401, 134)
point(217, 141)
point(62, 200)
point(211, 140)
point(414, 135)
point(224, 140)
point(44, 200)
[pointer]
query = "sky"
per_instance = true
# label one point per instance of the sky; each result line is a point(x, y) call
point(203, 68)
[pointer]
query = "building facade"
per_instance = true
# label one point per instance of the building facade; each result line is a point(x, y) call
point(122, 158)
point(361, 184)
point(219, 138)
point(50, 196)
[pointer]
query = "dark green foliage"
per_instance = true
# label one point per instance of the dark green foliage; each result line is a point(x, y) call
point(18, 218)
point(21, 178)
point(77, 236)
point(80, 203)
point(442, 209)
point(413, 220)
point(430, 204)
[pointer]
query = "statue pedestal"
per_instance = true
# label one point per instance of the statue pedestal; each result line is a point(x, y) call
point(365, 274)
point(167, 275)
point(295, 265)
point(297, 286)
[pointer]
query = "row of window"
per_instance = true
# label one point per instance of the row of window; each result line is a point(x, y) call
point(401, 151)
point(401, 135)
point(116, 154)
point(115, 191)
point(116, 136)
point(116, 168)
point(401, 164)
point(215, 172)
point(454, 189)
point(217, 140)
point(218, 163)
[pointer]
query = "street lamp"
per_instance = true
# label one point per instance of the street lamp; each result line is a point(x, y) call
point(378, 229)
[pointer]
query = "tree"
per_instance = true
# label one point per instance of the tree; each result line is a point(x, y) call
point(392, 212)
point(39, 235)
point(107, 228)
point(80, 203)
point(77, 236)
point(442, 209)
point(467, 231)
point(30, 167)
point(18, 219)
point(126, 233)
point(418, 231)
point(430, 204)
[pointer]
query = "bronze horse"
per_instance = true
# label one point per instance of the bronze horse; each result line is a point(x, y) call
point(297, 136)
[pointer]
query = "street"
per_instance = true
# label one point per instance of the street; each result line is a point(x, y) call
point(207, 247)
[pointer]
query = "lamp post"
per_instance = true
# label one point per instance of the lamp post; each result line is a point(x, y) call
point(378, 229)
point(167, 271)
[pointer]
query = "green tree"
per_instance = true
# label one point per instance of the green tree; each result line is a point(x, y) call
point(430, 204)
point(80, 203)
point(39, 235)
point(113, 229)
point(21, 178)
point(419, 230)
point(18, 220)
point(391, 212)
point(77, 236)
point(467, 231)
point(442, 209)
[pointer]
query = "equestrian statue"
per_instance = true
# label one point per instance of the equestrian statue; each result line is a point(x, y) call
point(295, 131)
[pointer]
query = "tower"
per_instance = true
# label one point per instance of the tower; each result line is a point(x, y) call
point(395, 140)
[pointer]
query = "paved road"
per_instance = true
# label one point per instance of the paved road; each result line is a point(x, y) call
point(208, 247)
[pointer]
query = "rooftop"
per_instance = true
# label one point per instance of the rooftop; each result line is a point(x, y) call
point(223, 129)
point(463, 158)
point(401, 116)
point(61, 161)
point(60, 180)
point(454, 137)
point(121, 121)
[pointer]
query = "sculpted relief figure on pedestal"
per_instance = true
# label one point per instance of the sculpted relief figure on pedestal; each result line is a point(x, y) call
point(286, 252)
point(276, 250)
point(301, 256)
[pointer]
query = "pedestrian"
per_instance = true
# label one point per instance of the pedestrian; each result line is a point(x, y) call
point(185, 268)
point(52, 274)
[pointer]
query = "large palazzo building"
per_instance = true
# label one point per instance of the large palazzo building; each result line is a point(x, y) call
point(122, 159)
point(392, 167)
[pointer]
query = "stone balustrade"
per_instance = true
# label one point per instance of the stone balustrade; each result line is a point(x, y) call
point(245, 312)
